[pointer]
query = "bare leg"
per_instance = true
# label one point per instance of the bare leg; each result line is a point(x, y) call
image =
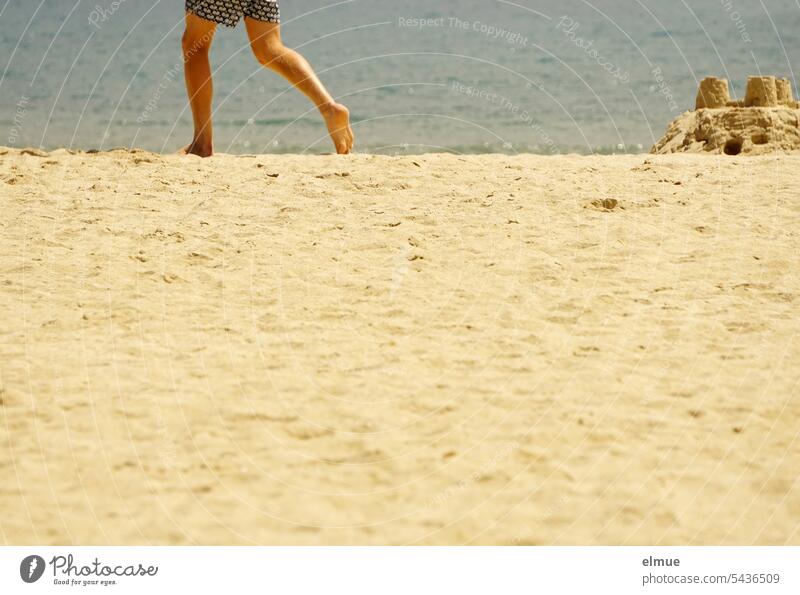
point(265, 41)
point(196, 44)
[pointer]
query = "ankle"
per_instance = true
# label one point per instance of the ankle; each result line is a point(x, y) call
point(330, 108)
point(202, 143)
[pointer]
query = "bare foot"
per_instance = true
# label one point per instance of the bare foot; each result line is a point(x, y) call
point(199, 149)
point(337, 117)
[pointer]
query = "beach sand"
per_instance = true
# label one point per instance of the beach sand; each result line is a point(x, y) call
point(435, 349)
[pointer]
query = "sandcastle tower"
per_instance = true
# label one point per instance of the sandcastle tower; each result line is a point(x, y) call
point(785, 96)
point(762, 91)
point(713, 93)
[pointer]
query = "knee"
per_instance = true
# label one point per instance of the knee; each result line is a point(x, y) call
point(268, 51)
point(195, 44)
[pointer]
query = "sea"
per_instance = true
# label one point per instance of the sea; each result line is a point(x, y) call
point(458, 76)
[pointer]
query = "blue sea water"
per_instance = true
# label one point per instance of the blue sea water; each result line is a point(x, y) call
point(467, 76)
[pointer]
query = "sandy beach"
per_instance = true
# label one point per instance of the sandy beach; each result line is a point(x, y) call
point(435, 349)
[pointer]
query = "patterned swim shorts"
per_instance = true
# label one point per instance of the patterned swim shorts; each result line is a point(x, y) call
point(228, 12)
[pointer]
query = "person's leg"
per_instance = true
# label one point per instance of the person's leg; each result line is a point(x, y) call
point(197, 69)
point(265, 41)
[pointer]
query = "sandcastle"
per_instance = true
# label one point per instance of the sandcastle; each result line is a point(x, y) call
point(767, 120)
